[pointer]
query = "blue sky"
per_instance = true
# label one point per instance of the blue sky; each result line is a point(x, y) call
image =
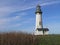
point(19, 15)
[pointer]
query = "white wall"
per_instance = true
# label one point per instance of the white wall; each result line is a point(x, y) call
point(45, 32)
point(38, 32)
point(38, 20)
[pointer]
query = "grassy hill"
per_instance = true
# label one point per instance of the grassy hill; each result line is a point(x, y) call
point(28, 39)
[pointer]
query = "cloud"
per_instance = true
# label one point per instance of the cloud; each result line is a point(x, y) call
point(7, 7)
point(12, 22)
point(53, 27)
point(50, 3)
point(5, 10)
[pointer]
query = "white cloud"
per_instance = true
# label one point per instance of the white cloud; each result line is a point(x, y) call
point(8, 7)
point(30, 20)
point(54, 28)
point(50, 3)
point(6, 10)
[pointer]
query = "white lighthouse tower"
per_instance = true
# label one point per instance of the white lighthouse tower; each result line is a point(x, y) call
point(39, 30)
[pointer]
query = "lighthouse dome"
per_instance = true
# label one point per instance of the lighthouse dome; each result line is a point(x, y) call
point(38, 9)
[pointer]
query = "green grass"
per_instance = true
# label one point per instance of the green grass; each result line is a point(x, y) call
point(49, 40)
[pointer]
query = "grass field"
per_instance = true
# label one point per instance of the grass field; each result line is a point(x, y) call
point(28, 39)
point(49, 40)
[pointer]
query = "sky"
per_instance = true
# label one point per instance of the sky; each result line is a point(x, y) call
point(19, 15)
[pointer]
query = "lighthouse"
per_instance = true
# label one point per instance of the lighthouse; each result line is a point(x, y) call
point(39, 30)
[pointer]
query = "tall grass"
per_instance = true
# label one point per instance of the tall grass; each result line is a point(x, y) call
point(28, 39)
point(17, 39)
